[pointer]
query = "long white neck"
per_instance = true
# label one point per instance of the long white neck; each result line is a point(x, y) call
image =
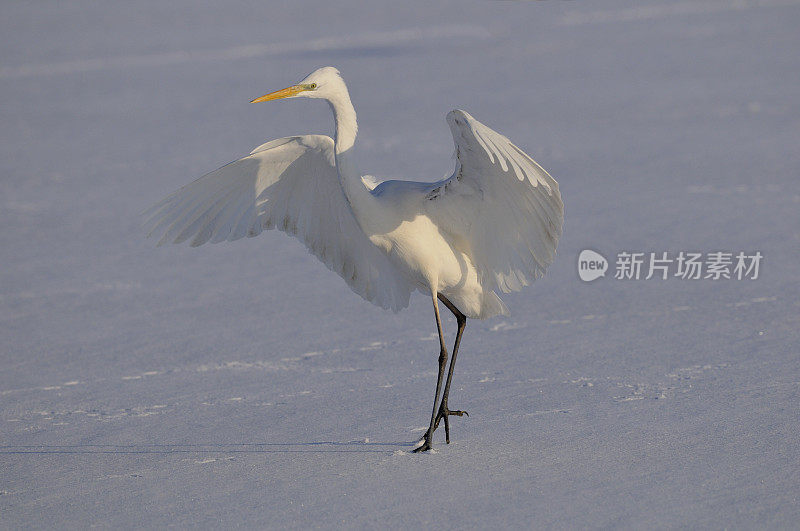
point(359, 198)
point(345, 117)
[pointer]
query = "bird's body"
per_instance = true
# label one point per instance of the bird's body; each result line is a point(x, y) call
point(492, 226)
point(430, 259)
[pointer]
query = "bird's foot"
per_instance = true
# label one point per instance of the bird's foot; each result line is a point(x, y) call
point(445, 413)
point(425, 444)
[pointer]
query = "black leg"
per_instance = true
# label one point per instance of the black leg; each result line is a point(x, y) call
point(444, 412)
point(426, 445)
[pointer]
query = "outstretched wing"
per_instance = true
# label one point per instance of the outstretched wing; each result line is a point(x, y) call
point(290, 184)
point(503, 208)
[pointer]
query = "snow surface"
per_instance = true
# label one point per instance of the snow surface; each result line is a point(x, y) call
point(244, 385)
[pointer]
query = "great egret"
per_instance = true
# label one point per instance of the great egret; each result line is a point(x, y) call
point(493, 225)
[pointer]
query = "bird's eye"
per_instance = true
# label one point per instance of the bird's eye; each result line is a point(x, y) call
point(313, 86)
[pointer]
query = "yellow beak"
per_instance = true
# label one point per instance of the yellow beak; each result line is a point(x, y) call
point(278, 94)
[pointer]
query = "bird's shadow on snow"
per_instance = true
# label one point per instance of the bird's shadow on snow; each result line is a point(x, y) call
point(240, 448)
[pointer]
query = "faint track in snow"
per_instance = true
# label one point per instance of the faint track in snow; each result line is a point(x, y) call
point(372, 39)
point(652, 313)
point(677, 382)
point(660, 11)
point(548, 412)
point(298, 362)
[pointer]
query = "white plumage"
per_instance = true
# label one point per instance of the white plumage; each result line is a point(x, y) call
point(289, 184)
point(492, 226)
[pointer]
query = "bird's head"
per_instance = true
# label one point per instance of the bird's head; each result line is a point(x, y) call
point(323, 82)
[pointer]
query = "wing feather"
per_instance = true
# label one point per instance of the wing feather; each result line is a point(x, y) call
point(290, 184)
point(503, 206)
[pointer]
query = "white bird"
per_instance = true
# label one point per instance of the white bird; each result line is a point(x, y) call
point(492, 226)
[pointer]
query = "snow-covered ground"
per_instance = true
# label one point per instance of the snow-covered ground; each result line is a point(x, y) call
point(243, 384)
